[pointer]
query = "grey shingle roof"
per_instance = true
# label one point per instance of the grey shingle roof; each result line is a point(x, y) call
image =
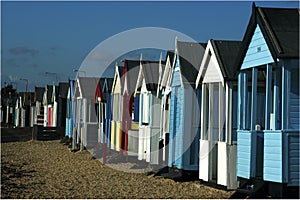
point(151, 74)
point(109, 82)
point(284, 24)
point(88, 86)
point(49, 93)
point(132, 73)
point(190, 57)
point(63, 90)
point(39, 92)
point(106, 89)
point(226, 53)
point(101, 83)
point(171, 54)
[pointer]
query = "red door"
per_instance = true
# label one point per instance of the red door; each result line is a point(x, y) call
point(50, 116)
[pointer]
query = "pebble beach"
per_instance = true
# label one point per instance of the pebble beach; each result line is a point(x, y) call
point(47, 169)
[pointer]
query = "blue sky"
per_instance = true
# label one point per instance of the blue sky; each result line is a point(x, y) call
point(57, 36)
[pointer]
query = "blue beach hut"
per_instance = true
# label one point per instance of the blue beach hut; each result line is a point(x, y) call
point(164, 92)
point(70, 115)
point(268, 103)
point(184, 107)
point(107, 99)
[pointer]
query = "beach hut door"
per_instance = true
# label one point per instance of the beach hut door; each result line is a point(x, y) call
point(50, 116)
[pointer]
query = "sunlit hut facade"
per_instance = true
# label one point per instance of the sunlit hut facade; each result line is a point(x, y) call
point(116, 109)
point(24, 109)
point(39, 109)
point(70, 110)
point(149, 119)
point(164, 92)
point(103, 102)
point(268, 104)
point(218, 78)
point(130, 106)
point(184, 108)
point(107, 99)
point(50, 105)
point(99, 106)
point(86, 119)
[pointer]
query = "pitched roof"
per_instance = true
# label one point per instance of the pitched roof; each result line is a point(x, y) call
point(226, 53)
point(190, 57)
point(49, 93)
point(98, 91)
point(109, 82)
point(280, 27)
point(87, 86)
point(71, 89)
point(63, 89)
point(120, 69)
point(29, 97)
point(107, 85)
point(131, 71)
point(171, 54)
point(284, 24)
point(151, 74)
point(102, 84)
point(39, 92)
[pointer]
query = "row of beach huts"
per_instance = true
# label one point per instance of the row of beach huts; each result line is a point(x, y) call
point(46, 106)
point(226, 109)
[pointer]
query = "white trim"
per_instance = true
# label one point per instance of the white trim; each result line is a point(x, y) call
point(221, 110)
point(203, 115)
point(139, 81)
point(202, 65)
point(205, 64)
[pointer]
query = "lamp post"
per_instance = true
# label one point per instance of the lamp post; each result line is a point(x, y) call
point(52, 73)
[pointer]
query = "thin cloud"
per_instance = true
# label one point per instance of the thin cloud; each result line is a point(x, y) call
point(23, 50)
